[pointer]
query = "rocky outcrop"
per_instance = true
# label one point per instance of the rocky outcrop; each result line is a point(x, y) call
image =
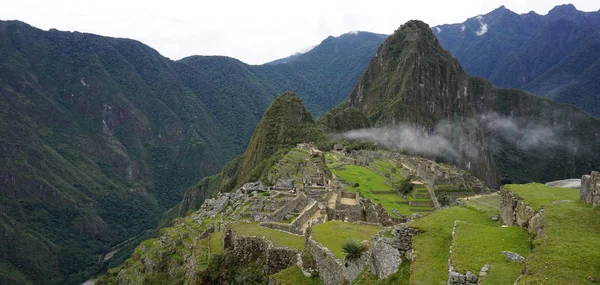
point(590, 188)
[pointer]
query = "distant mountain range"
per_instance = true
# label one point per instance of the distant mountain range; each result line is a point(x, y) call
point(555, 55)
point(99, 135)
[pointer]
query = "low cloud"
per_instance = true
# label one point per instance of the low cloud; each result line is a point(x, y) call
point(483, 27)
point(449, 139)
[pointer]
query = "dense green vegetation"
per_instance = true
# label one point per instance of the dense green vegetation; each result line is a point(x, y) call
point(100, 135)
point(555, 55)
point(285, 124)
point(353, 248)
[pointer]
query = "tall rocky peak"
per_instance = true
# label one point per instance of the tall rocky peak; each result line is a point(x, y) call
point(412, 80)
point(413, 83)
point(417, 71)
point(285, 123)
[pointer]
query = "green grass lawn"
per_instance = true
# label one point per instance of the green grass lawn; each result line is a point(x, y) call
point(488, 203)
point(568, 249)
point(476, 245)
point(369, 180)
point(278, 238)
point(536, 194)
point(333, 233)
point(294, 276)
point(432, 244)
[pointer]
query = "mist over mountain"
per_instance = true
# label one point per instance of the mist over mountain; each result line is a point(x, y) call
point(416, 97)
point(555, 55)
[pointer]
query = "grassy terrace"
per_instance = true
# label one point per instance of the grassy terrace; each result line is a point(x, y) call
point(369, 180)
point(566, 252)
point(487, 203)
point(536, 194)
point(476, 245)
point(333, 233)
point(278, 238)
point(294, 276)
point(432, 244)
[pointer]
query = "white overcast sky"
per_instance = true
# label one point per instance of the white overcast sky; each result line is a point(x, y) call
point(254, 31)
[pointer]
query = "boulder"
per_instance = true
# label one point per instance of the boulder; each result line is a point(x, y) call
point(253, 186)
point(513, 256)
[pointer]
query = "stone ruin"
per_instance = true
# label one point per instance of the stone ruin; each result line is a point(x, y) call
point(590, 188)
point(384, 257)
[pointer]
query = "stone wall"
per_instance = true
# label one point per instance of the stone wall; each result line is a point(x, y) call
point(305, 217)
point(279, 258)
point(246, 249)
point(514, 212)
point(590, 188)
point(328, 266)
point(287, 208)
point(282, 227)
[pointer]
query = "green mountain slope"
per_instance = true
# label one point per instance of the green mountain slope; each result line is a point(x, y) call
point(543, 54)
point(99, 135)
point(414, 85)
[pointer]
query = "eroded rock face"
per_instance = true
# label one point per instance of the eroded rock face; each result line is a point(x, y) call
point(590, 188)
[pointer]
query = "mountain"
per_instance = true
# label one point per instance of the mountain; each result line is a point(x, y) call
point(414, 88)
point(100, 135)
point(555, 55)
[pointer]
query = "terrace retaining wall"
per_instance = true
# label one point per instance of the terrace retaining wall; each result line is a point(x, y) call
point(515, 212)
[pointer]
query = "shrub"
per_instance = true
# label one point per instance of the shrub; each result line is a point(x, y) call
point(404, 187)
point(353, 248)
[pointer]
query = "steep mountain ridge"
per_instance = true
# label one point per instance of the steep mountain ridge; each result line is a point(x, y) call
point(550, 55)
point(414, 84)
point(99, 135)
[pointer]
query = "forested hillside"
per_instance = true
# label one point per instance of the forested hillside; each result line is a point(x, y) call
point(555, 55)
point(100, 135)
